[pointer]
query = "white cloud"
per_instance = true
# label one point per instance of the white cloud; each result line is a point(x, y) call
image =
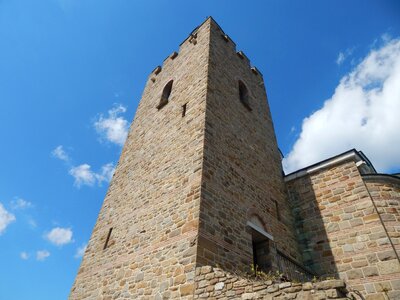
point(24, 255)
point(20, 204)
point(80, 251)
point(106, 173)
point(342, 56)
point(113, 128)
point(363, 113)
point(41, 255)
point(6, 218)
point(84, 175)
point(60, 236)
point(60, 153)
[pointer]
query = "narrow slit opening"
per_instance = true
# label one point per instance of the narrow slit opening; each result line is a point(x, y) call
point(108, 238)
point(278, 213)
point(184, 106)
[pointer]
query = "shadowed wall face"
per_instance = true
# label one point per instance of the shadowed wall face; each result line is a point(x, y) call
point(242, 173)
point(340, 231)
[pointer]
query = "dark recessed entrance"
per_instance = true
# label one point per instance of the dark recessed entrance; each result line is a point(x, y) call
point(261, 252)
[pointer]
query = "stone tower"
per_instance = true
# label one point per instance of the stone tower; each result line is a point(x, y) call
point(199, 181)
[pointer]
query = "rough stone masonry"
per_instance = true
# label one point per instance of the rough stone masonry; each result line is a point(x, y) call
point(199, 206)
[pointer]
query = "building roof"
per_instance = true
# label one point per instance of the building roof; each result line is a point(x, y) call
point(358, 157)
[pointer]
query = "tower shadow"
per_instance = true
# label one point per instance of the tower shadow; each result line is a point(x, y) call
point(313, 223)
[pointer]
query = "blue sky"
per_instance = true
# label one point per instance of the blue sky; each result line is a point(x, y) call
point(72, 73)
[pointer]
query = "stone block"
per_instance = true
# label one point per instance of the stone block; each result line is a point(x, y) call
point(304, 295)
point(332, 227)
point(293, 289)
point(356, 222)
point(395, 284)
point(383, 241)
point(386, 255)
point(206, 269)
point(354, 274)
point(372, 258)
point(273, 288)
point(332, 293)
point(288, 296)
point(179, 279)
point(371, 218)
point(383, 286)
point(375, 297)
point(219, 286)
point(248, 296)
point(348, 248)
point(388, 267)
point(330, 284)
point(320, 295)
point(394, 295)
point(370, 271)
point(369, 288)
point(284, 285)
point(186, 289)
point(359, 264)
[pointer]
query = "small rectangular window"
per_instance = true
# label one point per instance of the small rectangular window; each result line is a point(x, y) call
point(108, 238)
point(184, 106)
point(278, 214)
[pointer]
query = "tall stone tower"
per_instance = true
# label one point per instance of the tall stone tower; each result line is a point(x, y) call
point(199, 181)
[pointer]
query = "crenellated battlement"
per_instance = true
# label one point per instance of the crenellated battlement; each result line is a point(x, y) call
point(192, 40)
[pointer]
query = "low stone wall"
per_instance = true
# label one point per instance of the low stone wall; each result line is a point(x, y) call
point(214, 283)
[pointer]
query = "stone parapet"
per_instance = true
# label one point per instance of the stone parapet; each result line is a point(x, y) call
point(214, 283)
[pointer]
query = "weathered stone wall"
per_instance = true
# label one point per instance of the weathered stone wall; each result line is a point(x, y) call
point(385, 191)
point(153, 200)
point(242, 173)
point(214, 283)
point(340, 231)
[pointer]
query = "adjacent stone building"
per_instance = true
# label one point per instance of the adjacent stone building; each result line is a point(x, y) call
point(199, 198)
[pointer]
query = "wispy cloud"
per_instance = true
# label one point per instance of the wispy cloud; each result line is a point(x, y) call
point(362, 113)
point(80, 251)
point(106, 173)
point(20, 203)
point(84, 175)
point(41, 255)
point(60, 153)
point(23, 255)
point(342, 56)
point(32, 223)
point(6, 218)
point(60, 236)
point(113, 128)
